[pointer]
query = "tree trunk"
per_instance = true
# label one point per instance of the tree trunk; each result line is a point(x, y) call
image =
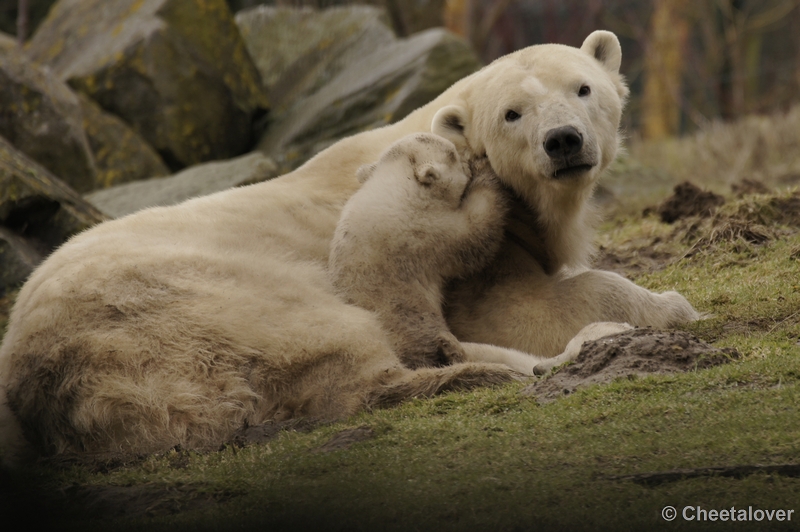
point(664, 64)
point(22, 21)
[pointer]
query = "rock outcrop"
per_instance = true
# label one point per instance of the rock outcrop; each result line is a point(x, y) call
point(38, 212)
point(42, 117)
point(176, 70)
point(341, 72)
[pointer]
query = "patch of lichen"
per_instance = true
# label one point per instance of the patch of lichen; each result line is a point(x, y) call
point(60, 36)
point(120, 154)
point(41, 117)
point(208, 26)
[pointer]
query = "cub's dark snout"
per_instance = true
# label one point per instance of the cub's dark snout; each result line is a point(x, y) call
point(562, 142)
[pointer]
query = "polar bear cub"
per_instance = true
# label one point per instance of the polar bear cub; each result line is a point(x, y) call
point(421, 217)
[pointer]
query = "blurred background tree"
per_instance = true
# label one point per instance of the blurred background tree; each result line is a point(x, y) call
point(688, 61)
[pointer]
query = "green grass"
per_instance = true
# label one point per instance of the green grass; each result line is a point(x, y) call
point(495, 459)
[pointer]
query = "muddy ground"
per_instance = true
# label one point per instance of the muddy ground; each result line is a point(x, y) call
point(698, 222)
point(629, 354)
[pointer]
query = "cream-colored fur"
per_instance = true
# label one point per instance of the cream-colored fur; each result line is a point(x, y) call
point(420, 219)
point(593, 331)
point(181, 324)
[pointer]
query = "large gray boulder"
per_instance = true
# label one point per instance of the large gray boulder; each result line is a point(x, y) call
point(339, 71)
point(38, 212)
point(18, 258)
point(42, 117)
point(198, 180)
point(121, 155)
point(176, 70)
point(66, 132)
point(297, 51)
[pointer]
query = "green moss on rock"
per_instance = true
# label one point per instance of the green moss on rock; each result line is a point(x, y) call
point(42, 117)
point(177, 71)
point(121, 155)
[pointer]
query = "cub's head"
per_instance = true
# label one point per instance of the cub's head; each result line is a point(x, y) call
point(547, 117)
point(424, 165)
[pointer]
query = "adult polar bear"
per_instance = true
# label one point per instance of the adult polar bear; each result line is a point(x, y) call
point(180, 325)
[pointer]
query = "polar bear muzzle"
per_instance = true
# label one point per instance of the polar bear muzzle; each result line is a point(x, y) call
point(564, 145)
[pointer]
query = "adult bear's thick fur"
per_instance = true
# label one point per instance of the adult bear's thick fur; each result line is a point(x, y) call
point(179, 325)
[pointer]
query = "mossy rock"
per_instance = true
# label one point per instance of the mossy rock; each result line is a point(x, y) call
point(38, 212)
point(121, 155)
point(7, 42)
point(380, 87)
point(176, 70)
point(18, 258)
point(42, 117)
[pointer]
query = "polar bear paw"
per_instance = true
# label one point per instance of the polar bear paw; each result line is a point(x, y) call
point(449, 349)
point(593, 331)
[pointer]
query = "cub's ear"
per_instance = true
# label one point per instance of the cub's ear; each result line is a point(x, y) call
point(426, 174)
point(365, 172)
point(604, 46)
point(452, 123)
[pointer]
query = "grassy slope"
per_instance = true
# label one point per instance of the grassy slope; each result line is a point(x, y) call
point(494, 459)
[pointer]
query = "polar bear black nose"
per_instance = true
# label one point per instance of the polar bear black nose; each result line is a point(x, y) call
point(562, 142)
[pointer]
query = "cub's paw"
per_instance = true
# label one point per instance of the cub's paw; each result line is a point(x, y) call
point(542, 368)
point(449, 349)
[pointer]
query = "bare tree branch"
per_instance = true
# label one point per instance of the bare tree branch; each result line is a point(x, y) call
point(22, 21)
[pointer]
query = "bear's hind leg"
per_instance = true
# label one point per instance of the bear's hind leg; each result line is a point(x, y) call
point(520, 362)
point(427, 382)
point(540, 314)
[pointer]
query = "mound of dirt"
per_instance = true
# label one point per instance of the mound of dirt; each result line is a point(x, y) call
point(632, 261)
point(687, 200)
point(636, 352)
point(748, 187)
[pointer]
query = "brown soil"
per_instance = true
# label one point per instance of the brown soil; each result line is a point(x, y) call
point(788, 209)
point(688, 200)
point(753, 222)
point(746, 187)
point(637, 352)
point(632, 262)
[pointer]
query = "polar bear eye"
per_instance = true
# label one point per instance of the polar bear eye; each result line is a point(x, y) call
point(585, 90)
point(512, 116)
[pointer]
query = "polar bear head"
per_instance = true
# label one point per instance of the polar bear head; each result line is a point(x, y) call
point(547, 118)
point(429, 166)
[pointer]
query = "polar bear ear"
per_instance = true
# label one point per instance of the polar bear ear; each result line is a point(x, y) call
point(604, 46)
point(365, 172)
point(451, 122)
point(426, 174)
